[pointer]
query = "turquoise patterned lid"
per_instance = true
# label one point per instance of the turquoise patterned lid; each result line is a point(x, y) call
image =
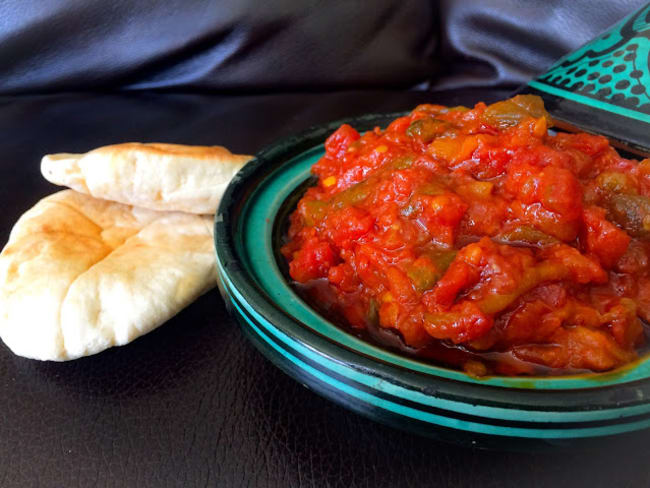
point(604, 87)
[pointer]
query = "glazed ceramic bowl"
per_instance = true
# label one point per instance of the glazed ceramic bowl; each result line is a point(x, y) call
point(381, 384)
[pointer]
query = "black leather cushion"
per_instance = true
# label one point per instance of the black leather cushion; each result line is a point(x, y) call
point(253, 45)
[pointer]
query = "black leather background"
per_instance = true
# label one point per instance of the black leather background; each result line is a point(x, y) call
point(193, 403)
point(285, 45)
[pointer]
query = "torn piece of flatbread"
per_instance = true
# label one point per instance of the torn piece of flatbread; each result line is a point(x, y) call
point(156, 176)
point(80, 275)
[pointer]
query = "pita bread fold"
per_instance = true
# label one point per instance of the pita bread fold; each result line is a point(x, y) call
point(156, 176)
point(79, 274)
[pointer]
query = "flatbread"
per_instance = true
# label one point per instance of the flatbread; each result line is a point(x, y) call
point(156, 176)
point(80, 274)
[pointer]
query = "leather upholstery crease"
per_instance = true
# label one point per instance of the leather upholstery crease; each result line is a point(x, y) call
point(255, 46)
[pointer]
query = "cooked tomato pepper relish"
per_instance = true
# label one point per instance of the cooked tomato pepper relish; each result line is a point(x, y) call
point(483, 241)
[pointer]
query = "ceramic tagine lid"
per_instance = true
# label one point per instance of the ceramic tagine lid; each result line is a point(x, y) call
point(604, 87)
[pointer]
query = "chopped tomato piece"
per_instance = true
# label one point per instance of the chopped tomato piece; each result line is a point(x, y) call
point(603, 238)
point(339, 142)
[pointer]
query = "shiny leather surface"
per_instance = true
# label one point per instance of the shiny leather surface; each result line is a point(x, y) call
point(285, 45)
point(193, 403)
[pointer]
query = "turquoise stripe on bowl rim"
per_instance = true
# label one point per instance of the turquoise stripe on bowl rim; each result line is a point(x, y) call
point(381, 385)
point(445, 421)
